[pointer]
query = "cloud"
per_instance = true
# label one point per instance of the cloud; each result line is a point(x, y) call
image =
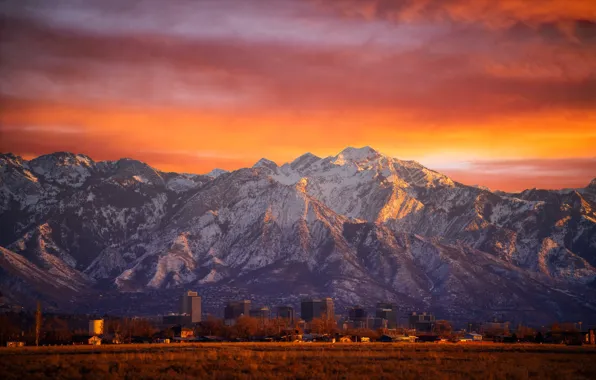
point(51, 129)
point(517, 175)
point(465, 73)
point(100, 145)
point(275, 78)
point(494, 14)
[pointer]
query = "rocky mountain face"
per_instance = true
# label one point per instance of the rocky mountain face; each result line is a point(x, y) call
point(360, 227)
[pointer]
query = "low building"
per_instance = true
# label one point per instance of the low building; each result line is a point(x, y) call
point(183, 332)
point(94, 341)
point(424, 322)
point(15, 344)
point(473, 337)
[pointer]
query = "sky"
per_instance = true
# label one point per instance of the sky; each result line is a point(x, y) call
point(494, 93)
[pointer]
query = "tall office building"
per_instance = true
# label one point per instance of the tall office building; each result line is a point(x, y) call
point(328, 308)
point(311, 308)
point(358, 316)
point(235, 309)
point(261, 313)
point(190, 304)
point(286, 312)
point(357, 313)
point(387, 311)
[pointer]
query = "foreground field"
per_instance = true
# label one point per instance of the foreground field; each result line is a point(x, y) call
point(300, 361)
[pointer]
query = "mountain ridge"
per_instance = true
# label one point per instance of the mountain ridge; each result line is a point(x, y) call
point(356, 215)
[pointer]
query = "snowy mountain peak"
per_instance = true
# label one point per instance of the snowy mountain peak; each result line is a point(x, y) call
point(306, 157)
point(265, 163)
point(304, 161)
point(129, 169)
point(355, 155)
point(9, 158)
point(64, 159)
point(63, 168)
point(216, 173)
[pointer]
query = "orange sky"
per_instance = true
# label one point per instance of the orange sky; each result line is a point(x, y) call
point(492, 93)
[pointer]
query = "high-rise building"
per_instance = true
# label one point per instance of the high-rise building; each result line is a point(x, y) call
point(190, 304)
point(328, 308)
point(311, 308)
point(286, 312)
point(377, 323)
point(387, 311)
point(235, 309)
point(358, 316)
point(261, 313)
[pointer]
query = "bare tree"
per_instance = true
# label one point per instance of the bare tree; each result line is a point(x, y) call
point(37, 323)
point(324, 325)
point(245, 327)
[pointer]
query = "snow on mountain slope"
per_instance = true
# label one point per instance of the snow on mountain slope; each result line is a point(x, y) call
point(19, 276)
point(216, 173)
point(39, 248)
point(359, 226)
point(364, 184)
point(63, 168)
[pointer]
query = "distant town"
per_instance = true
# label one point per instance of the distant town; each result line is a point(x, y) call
point(242, 321)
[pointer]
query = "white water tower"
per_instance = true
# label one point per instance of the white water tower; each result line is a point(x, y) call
point(96, 327)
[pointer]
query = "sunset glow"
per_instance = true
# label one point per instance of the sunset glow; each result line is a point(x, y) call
point(502, 95)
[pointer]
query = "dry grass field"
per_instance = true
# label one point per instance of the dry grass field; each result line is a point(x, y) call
point(300, 361)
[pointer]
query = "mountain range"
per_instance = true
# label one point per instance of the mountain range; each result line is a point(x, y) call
point(360, 227)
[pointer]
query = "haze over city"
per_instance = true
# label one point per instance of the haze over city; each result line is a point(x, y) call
point(499, 94)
